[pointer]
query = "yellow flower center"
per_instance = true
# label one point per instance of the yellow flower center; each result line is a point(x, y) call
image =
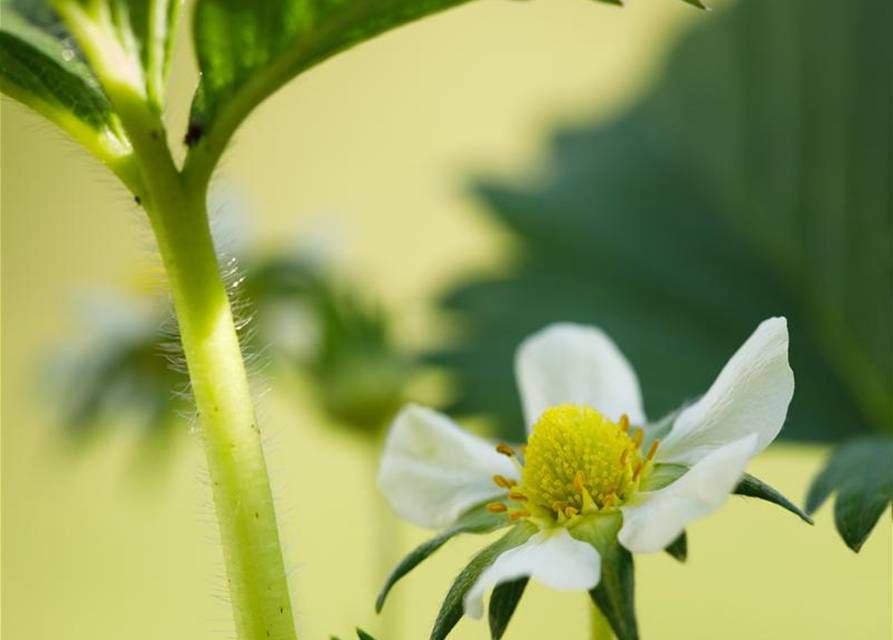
point(576, 462)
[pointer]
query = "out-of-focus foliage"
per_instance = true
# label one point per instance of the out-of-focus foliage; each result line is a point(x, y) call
point(753, 180)
point(122, 369)
point(295, 314)
point(861, 472)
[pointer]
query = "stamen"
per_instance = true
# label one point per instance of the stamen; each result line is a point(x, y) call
point(505, 450)
point(557, 507)
point(497, 507)
point(623, 456)
point(579, 479)
point(653, 449)
point(570, 512)
point(608, 501)
point(502, 481)
point(517, 515)
point(637, 471)
point(637, 437)
point(523, 449)
point(518, 497)
point(624, 423)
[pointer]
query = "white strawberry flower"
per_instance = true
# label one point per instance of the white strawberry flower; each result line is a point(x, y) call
point(593, 473)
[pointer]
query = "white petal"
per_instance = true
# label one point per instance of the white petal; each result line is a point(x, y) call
point(551, 557)
point(751, 395)
point(653, 519)
point(432, 471)
point(575, 364)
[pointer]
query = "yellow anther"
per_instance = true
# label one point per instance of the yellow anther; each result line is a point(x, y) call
point(497, 507)
point(523, 449)
point(579, 479)
point(505, 450)
point(637, 471)
point(575, 460)
point(624, 423)
point(517, 515)
point(502, 481)
point(653, 449)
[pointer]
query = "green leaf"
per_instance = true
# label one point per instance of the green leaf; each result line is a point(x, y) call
point(362, 635)
point(756, 488)
point(477, 520)
point(861, 471)
point(679, 548)
point(751, 181)
point(452, 608)
point(247, 50)
point(503, 603)
point(45, 73)
point(146, 30)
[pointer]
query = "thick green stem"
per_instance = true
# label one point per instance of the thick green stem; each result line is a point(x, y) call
point(599, 627)
point(177, 209)
point(242, 497)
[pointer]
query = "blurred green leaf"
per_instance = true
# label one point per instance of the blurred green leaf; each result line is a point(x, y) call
point(42, 68)
point(298, 316)
point(756, 488)
point(452, 608)
point(861, 471)
point(477, 520)
point(503, 602)
point(362, 635)
point(752, 181)
point(118, 372)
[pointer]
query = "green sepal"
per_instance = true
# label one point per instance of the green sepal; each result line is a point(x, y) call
point(679, 548)
point(452, 608)
point(503, 603)
point(477, 520)
point(615, 593)
point(662, 475)
point(756, 488)
point(362, 635)
point(861, 471)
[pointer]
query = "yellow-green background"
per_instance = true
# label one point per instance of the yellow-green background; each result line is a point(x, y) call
point(373, 149)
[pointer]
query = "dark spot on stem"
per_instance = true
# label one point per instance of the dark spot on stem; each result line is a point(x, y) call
point(194, 133)
point(138, 200)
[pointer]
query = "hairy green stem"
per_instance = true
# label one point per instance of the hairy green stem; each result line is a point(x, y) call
point(247, 519)
point(599, 627)
point(177, 209)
